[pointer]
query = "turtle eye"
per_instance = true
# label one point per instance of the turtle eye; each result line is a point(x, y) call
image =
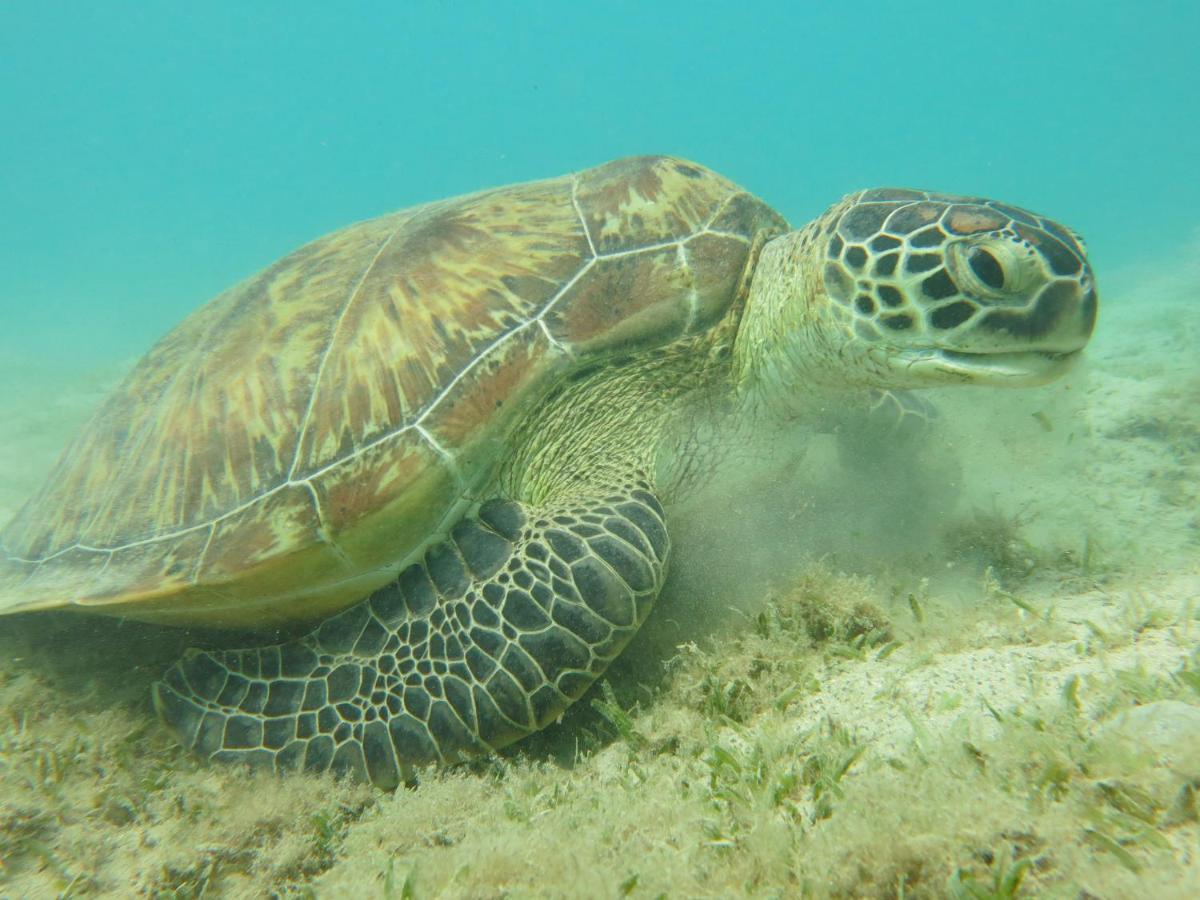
point(991, 267)
point(986, 268)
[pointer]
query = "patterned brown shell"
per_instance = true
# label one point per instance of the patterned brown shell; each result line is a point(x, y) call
point(277, 455)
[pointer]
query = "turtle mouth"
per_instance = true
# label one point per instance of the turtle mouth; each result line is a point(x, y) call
point(1022, 368)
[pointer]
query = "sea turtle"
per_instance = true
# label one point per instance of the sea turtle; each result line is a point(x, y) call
point(446, 438)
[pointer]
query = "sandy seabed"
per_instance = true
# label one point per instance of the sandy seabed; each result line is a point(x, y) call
point(982, 680)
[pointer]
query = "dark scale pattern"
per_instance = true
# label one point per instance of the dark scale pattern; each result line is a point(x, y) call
point(886, 264)
point(939, 286)
point(488, 638)
point(864, 220)
point(900, 322)
point(889, 296)
point(922, 262)
point(928, 237)
point(952, 315)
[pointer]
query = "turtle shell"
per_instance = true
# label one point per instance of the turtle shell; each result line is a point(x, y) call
point(292, 443)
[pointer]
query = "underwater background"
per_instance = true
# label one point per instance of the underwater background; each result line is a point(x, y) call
point(154, 153)
point(857, 684)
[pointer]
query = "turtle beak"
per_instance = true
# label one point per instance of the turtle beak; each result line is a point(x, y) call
point(1011, 369)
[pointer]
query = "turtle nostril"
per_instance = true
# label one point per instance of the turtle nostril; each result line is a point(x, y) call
point(987, 268)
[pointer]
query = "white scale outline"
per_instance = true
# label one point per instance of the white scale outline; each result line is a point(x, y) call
point(416, 424)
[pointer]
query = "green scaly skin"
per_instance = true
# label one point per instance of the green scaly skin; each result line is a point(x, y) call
point(507, 620)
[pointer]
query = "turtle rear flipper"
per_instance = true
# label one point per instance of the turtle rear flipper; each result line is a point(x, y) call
point(487, 639)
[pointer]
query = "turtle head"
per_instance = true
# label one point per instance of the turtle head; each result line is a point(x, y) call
point(902, 289)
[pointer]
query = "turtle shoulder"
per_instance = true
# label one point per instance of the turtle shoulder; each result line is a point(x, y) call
point(287, 446)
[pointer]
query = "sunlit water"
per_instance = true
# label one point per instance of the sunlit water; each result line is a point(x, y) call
point(153, 155)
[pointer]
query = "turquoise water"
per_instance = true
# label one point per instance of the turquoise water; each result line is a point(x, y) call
point(1034, 565)
point(154, 153)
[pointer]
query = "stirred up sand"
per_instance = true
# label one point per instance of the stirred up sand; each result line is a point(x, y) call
point(976, 678)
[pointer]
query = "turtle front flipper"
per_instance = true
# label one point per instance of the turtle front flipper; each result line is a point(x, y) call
point(487, 639)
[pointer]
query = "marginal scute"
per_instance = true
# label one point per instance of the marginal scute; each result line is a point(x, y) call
point(636, 202)
point(625, 301)
point(745, 215)
point(484, 398)
point(716, 262)
point(260, 534)
point(91, 578)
